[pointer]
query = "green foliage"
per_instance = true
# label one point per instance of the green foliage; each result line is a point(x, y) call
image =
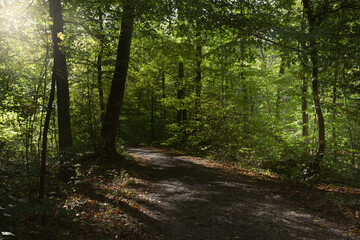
point(340, 173)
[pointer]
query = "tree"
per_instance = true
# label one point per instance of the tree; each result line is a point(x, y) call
point(60, 75)
point(198, 84)
point(181, 115)
point(99, 68)
point(49, 109)
point(115, 100)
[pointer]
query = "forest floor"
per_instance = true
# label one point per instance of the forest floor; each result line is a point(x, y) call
point(194, 198)
point(168, 196)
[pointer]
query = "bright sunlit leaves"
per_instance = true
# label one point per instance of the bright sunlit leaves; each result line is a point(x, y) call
point(61, 36)
point(15, 15)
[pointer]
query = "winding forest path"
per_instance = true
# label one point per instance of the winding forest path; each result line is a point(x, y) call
point(188, 200)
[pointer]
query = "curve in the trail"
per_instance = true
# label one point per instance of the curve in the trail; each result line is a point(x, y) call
point(192, 201)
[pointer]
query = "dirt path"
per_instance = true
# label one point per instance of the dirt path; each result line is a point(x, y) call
point(188, 200)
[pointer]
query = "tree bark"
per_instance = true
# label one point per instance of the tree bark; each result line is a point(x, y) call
point(43, 155)
point(152, 117)
point(163, 88)
point(352, 144)
point(246, 102)
point(181, 113)
point(99, 68)
point(315, 21)
point(115, 100)
point(42, 183)
point(60, 75)
point(334, 119)
point(278, 90)
point(304, 59)
point(304, 106)
point(318, 111)
point(198, 84)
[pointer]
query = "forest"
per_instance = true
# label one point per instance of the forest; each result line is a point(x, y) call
point(268, 85)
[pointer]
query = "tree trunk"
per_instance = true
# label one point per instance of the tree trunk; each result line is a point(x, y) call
point(304, 59)
point(116, 96)
point(334, 119)
point(304, 105)
point(90, 112)
point(352, 144)
point(278, 90)
point(315, 21)
point(60, 76)
point(163, 87)
point(198, 84)
point(181, 113)
point(99, 68)
point(318, 111)
point(152, 117)
point(246, 109)
point(246, 96)
point(42, 183)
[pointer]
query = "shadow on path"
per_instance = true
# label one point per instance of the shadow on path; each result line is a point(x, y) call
point(191, 201)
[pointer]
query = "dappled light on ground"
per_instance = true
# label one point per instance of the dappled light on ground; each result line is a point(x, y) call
point(197, 199)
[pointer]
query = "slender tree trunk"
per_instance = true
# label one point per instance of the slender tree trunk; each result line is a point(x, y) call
point(353, 159)
point(314, 21)
point(334, 120)
point(42, 183)
point(352, 144)
point(54, 136)
point(44, 94)
point(318, 111)
point(100, 85)
point(246, 110)
point(111, 118)
point(304, 98)
point(60, 75)
point(278, 90)
point(223, 81)
point(304, 112)
point(164, 111)
point(304, 105)
point(198, 83)
point(43, 175)
point(90, 86)
point(152, 117)
point(99, 68)
point(246, 95)
point(163, 87)
point(304, 59)
point(181, 113)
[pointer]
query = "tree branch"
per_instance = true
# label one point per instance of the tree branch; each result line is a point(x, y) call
point(277, 43)
point(97, 36)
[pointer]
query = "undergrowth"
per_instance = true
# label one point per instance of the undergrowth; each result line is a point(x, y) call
point(91, 205)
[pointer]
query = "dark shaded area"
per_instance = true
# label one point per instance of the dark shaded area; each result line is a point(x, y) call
point(191, 201)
